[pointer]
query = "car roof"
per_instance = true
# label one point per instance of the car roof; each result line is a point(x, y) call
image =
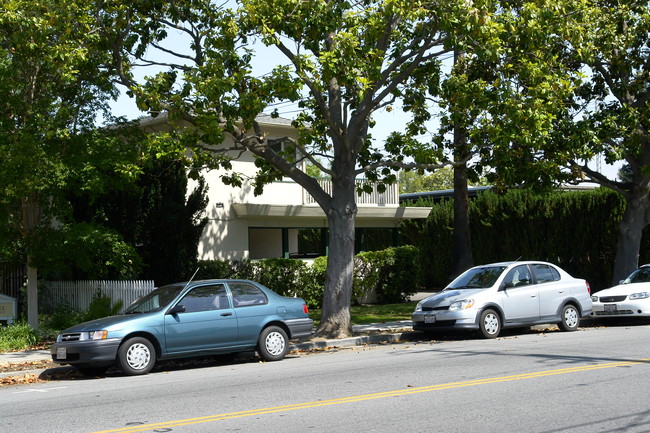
point(515, 262)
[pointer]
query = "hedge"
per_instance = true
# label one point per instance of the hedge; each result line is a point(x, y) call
point(391, 275)
point(575, 229)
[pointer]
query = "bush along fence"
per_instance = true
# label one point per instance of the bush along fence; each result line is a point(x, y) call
point(385, 276)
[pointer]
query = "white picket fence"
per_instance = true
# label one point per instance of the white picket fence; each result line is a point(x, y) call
point(79, 294)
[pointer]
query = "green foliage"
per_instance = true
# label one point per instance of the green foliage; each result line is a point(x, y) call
point(412, 181)
point(392, 275)
point(59, 316)
point(576, 230)
point(100, 307)
point(17, 336)
point(212, 269)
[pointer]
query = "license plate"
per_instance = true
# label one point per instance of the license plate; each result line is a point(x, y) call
point(610, 307)
point(61, 353)
point(429, 318)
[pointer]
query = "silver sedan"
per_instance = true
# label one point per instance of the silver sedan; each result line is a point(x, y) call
point(491, 297)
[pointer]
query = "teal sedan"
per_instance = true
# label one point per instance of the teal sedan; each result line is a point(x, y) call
point(186, 320)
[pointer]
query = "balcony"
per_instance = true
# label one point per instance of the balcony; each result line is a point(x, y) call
point(390, 197)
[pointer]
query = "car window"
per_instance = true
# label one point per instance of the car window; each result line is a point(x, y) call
point(641, 275)
point(518, 276)
point(205, 298)
point(545, 273)
point(246, 294)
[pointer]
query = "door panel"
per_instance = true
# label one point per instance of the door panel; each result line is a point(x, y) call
point(208, 322)
point(520, 298)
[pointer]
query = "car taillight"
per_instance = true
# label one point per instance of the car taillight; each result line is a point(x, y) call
point(588, 288)
point(305, 309)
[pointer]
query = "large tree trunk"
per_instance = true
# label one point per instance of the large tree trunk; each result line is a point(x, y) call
point(31, 217)
point(630, 230)
point(335, 317)
point(462, 243)
point(462, 258)
point(32, 296)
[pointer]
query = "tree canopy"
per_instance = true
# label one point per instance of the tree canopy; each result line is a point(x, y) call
point(52, 87)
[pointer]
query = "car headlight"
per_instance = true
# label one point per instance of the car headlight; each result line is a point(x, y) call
point(462, 305)
point(594, 298)
point(642, 295)
point(97, 335)
point(418, 307)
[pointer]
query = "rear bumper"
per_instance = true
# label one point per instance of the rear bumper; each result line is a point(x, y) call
point(299, 328)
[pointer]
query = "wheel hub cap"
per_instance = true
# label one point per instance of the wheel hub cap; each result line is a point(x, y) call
point(138, 356)
point(275, 343)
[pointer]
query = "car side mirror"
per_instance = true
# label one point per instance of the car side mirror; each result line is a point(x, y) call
point(508, 285)
point(180, 308)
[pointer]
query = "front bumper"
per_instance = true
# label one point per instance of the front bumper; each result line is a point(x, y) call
point(299, 328)
point(86, 352)
point(444, 319)
point(621, 309)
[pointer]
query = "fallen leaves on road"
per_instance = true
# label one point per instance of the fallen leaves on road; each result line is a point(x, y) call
point(21, 379)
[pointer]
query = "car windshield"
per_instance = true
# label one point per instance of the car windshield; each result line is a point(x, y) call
point(156, 300)
point(641, 275)
point(477, 278)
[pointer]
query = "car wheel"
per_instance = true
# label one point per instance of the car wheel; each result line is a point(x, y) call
point(273, 344)
point(570, 318)
point(490, 324)
point(136, 356)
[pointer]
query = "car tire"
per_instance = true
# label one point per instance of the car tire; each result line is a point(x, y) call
point(136, 356)
point(490, 324)
point(570, 318)
point(273, 343)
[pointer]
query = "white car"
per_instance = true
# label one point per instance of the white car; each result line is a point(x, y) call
point(631, 298)
point(506, 295)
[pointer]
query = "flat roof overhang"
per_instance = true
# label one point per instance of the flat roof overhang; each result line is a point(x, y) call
point(295, 215)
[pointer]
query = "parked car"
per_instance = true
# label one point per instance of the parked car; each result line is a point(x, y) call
point(186, 320)
point(491, 297)
point(630, 298)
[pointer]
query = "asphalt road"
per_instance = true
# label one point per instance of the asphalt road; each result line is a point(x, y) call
point(592, 380)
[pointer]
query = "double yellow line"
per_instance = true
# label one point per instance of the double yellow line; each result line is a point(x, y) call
point(356, 398)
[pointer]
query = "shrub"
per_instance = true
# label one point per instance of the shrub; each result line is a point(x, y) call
point(210, 269)
point(63, 316)
point(17, 336)
point(100, 307)
point(392, 275)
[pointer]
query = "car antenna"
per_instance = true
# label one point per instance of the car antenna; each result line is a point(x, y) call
point(192, 277)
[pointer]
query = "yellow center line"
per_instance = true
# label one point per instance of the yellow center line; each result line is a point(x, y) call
point(364, 397)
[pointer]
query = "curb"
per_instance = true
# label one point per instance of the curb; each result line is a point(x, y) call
point(360, 340)
point(354, 341)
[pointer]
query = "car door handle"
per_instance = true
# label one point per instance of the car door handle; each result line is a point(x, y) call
point(226, 314)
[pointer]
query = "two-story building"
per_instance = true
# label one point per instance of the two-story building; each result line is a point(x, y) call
point(279, 222)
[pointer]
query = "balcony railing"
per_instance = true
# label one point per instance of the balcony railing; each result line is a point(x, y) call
point(389, 197)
